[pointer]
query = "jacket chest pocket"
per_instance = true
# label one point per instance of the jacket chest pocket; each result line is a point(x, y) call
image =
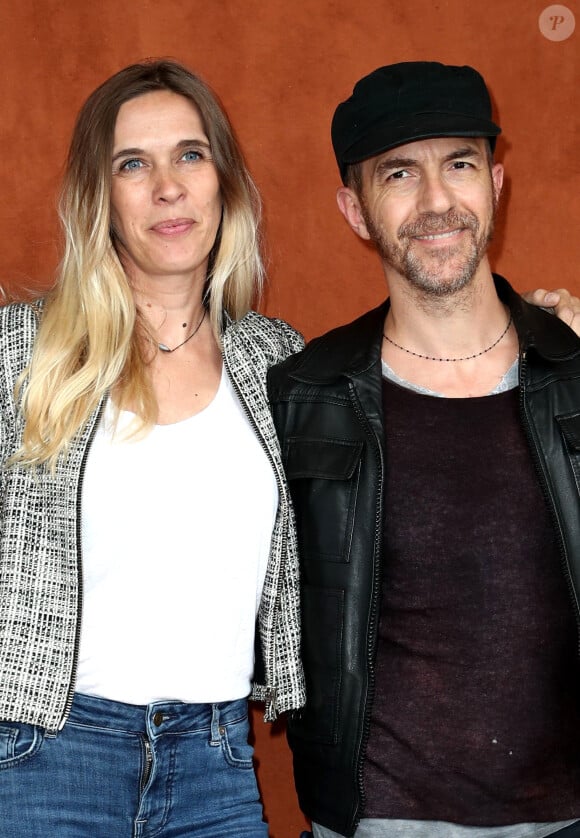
point(323, 475)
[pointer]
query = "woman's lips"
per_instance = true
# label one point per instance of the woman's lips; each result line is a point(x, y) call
point(173, 226)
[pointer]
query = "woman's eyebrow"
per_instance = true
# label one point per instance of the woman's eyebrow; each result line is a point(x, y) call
point(127, 152)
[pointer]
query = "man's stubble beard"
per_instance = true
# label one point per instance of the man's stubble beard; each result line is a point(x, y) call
point(427, 273)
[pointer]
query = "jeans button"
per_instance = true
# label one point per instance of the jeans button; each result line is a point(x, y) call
point(157, 718)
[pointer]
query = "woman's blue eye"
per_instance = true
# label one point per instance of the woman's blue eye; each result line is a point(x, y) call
point(192, 156)
point(131, 165)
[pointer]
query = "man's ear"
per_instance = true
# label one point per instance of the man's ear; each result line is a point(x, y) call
point(497, 180)
point(349, 205)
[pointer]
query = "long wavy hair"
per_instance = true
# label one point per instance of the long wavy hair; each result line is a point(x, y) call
point(91, 336)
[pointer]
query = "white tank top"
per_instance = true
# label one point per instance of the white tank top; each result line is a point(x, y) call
point(176, 530)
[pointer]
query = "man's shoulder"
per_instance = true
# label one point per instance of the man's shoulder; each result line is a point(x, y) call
point(343, 350)
point(548, 336)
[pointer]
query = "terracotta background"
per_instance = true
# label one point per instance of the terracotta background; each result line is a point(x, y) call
point(280, 69)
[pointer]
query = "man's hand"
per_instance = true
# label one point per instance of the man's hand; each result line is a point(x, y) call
point(562, 302)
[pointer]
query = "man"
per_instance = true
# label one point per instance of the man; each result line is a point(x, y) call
point(433, 453)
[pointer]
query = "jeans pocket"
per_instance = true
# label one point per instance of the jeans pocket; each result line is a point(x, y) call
point(18, 742)
point(237, 750)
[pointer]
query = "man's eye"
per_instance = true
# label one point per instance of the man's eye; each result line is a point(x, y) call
point(461, 164)
point(399, 175)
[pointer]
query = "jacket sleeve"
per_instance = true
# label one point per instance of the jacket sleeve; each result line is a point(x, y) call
point(18, 324)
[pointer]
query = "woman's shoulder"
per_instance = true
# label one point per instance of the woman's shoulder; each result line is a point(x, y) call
point(19, 322)
point(18, 328)
point(274, 336)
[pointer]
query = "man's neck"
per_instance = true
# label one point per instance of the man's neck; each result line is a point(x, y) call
point(458, 344)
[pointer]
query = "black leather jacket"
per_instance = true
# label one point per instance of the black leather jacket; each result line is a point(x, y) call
point(328, 413)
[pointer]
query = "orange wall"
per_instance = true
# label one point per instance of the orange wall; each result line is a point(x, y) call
point(280, 68)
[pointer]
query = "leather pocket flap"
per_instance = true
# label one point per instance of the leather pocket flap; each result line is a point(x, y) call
point(327, 459)
point(570, 427)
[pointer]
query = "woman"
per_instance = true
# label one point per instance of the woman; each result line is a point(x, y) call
point(145, 514)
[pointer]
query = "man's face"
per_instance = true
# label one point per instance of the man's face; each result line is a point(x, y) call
point(429, 207)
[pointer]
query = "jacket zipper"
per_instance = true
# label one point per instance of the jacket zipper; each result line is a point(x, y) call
point(80, 587)
point(547, 496)
point(269, 664)
point(374, 615)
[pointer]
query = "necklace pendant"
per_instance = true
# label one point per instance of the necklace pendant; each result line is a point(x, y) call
point(163, 346)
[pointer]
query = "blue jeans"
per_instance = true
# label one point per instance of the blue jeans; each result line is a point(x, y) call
point(165, 770)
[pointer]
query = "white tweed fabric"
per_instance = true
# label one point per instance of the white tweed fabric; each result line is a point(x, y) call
point(40, 559)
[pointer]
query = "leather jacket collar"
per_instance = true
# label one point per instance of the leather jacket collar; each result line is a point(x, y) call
point(353, 349)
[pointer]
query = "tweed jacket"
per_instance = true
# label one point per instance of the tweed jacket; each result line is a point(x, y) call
point(40, 545)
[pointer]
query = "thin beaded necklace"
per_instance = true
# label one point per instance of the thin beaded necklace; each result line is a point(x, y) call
point(447, 360)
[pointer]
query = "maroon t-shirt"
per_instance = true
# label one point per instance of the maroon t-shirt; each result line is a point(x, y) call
point(476, 716)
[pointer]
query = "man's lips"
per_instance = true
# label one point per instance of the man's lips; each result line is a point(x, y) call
point(439, 236)
point(173, 226)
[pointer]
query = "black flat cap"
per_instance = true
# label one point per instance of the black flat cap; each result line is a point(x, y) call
point(414, 100)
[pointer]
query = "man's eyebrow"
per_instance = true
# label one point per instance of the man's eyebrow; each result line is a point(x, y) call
point(467, 151)
point(128, 152)
point(388, 163)
point(391, 162)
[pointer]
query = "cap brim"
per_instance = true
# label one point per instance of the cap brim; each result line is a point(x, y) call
point(387, 134)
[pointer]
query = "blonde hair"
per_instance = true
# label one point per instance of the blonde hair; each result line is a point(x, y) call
point(91, 336)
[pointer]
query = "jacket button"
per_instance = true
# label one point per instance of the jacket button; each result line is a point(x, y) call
point(158, 719)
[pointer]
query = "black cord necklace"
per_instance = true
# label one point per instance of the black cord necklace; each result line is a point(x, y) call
point(164, 348)
point(466, 358)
